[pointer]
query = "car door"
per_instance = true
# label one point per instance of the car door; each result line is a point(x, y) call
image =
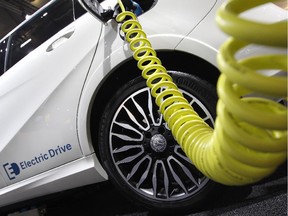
point(45, 66)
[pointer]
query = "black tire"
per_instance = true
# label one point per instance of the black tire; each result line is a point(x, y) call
point(126, 129)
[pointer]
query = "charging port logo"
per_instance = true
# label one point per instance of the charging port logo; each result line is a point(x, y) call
point(12, 170)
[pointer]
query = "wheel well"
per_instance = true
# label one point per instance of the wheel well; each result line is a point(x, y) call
point(171, 60)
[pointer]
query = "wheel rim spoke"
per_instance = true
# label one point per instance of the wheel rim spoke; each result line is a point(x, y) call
point(145, 153)
point(145, 172)
point(155, 121)
point(126, 137)
point(132, 117)
point(130, 158)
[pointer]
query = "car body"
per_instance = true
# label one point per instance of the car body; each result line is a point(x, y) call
point(53, 96)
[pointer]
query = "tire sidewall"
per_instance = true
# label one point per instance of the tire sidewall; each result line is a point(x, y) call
point(203, 91)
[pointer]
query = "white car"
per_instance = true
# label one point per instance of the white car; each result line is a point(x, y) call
point(74, 109)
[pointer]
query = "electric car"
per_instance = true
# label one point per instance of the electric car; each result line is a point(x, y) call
point(75, 110)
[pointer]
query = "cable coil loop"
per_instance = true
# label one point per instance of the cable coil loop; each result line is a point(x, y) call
point(250, 135)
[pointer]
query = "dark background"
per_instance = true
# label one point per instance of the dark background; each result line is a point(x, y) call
point(13, 12)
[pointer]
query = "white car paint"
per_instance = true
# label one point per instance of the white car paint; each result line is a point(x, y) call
point(112, 50)
point(41, 134)
point(44, 118)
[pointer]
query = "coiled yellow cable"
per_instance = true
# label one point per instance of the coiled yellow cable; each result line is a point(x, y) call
point(250, 135)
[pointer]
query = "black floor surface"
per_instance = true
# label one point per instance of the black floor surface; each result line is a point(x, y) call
point(265, 198)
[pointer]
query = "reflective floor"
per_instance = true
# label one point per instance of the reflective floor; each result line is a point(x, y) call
point(268, 197)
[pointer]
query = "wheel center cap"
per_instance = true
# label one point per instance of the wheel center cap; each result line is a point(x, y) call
point(158, 143)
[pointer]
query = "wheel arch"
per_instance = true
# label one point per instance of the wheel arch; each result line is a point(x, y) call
point(127, 70)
